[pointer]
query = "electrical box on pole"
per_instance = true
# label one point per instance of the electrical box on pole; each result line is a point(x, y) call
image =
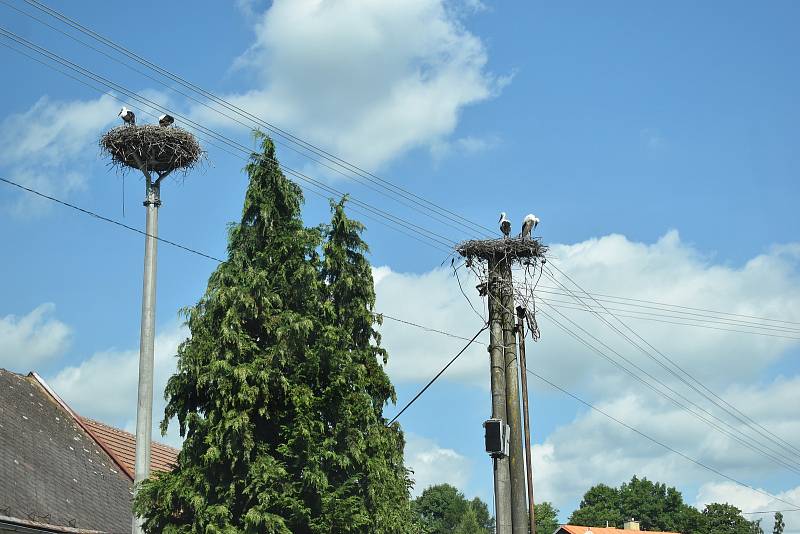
point(496, 437)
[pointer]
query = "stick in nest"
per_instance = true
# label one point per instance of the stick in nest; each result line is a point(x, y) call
point(154, 147)
point(519, 249)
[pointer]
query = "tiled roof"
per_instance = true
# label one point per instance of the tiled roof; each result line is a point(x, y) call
point(51, 470)
point(122, 445)
point(576, 529)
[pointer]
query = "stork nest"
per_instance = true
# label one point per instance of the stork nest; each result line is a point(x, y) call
point(511, 248)
point(156, 148)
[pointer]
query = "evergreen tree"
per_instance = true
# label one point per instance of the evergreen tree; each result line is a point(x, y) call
point(278, 391)
point(779, 524)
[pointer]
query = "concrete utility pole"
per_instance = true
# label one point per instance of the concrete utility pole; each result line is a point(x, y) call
point(502, 479)
point(523, 370)
point(151, 149)
point(519, 508)
point(144, 405)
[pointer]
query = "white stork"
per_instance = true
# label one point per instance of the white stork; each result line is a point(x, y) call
point(127, 115)
point(166, 120)
point(529, 223)
point(505, 225)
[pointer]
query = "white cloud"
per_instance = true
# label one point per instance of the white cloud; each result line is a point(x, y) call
point(399, 295)
point(47, 147)
point(366, 79)
point(591, 448)
point(433, 464)
point(112, 375)
point(28, 341)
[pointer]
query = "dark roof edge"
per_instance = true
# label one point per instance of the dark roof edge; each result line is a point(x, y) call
point(35, 526)
point(84, 426)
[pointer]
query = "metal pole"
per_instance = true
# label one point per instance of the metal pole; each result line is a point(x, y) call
point(523, 369)
point(502, 478)
point(144, 407)
point(519, 508)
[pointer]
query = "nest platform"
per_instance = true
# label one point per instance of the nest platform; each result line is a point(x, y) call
point(156, 148)
point(512, 248)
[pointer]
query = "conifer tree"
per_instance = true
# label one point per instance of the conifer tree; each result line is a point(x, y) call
point(278, 391)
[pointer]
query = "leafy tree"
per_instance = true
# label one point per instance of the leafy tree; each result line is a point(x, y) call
point(485, 519)
point(655, 505)
point(600, 504)
point(442, 509)
point(468, 523)
point(779, 524)
point(279, 391)
point(755, 527)
point(724, 519)
point(545, 515)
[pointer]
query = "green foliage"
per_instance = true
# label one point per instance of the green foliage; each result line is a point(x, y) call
point(724, 519)
point(442, 509)
point(600, 504)
point(656, 507)
point(545, 516)
point(468, 524)
point(779, 524)
point(279, 390)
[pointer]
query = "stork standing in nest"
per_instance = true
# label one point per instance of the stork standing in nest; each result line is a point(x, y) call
point(505, 225)
point(127, 116)
point(166, 120)
point(529, 224)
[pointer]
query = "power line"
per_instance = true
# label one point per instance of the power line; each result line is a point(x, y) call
point(654, 440)
point(108, 220)
point(706, 310)
point(441, 332)
point(432, 380)
point(680, 374)
point(678, 314)
point(772, 511)
point(243, 113)
point(413, 227)
point(752, 444)
point(349, 169)
point(563, 305)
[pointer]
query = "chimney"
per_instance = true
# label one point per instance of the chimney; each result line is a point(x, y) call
point(631, 525)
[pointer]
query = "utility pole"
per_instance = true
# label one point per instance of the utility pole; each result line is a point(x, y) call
point(523, 369)
point(502, 480)
point(154, 150)
point(144, 405)
point(497, 285)
point(519, 508)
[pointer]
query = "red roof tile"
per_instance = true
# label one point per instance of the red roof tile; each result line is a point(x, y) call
point(122, 445)
point(577, 529)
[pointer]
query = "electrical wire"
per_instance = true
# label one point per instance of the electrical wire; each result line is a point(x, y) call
point(706, 310)
point(436, 377)
point(677, 314)
point(441, 332)
point(654, 440)
point(677, 371)
point(346, 168)
point(399, 221)
point(561, 304)
point(733, 433)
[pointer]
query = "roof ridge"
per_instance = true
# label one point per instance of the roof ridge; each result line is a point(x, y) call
point(44, 385)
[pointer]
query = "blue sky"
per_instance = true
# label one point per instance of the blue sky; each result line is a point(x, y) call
point(656, 141)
